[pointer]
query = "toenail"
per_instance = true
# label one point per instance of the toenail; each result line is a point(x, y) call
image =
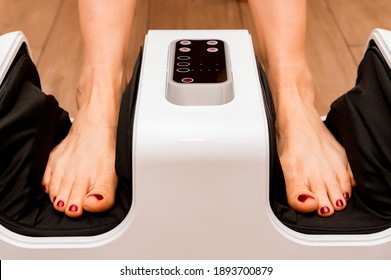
point(73, 208)
point(339, 203)
point(324, 210)
point(60, 203)
point(346, 195)
point(97, 196)
point(303, 197)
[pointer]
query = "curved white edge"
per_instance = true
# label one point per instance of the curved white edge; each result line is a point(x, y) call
point(322, 240)
point(382, 38)
point(77, 242)
point(9, 46)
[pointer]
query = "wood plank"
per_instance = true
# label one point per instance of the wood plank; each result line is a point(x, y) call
point(34, 18)
point(358, 18)
point(330, 59)
point(61, 60)
point(161, 14)
point(358, 53)
point(194, 14)
point(248, 23)
point(139, 30)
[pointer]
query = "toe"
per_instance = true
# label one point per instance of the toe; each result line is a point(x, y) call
point(101, 197)
point(336, 197)
point(339, 190)
point(46, 179)
point(61, 198)
point(98, 201)
point(53, 187)
point(325, 207)
point(351, 176)
point(325, 211)
point(345, 183)
point(301, 199)
point(73, 210)
point(74, 206)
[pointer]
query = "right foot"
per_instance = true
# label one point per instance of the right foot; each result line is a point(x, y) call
point(80, 174)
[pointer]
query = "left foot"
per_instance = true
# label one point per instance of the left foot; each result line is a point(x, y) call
point(315, 166)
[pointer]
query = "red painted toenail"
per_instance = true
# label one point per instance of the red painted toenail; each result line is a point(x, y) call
point(73, 208)
point(97, 196)
point(346, 195)
point(339, 203)
point(303, 197)
point(324, 210)
point(60, 203)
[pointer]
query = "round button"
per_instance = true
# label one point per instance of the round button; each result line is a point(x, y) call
point(183, 57)
point(212, 43)
point(183, 64)
point(183, 70)
point(184, 49)
point(187, 80)
point(185, 42)
point(212, 49)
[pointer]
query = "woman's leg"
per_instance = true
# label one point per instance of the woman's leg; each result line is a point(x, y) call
point(80, 173)
point(316, 170)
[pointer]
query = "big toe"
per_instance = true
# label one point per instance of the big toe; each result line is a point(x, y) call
point(302, 200)
point(99, 200)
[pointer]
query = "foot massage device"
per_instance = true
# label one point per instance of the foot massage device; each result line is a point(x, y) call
point(197, 165)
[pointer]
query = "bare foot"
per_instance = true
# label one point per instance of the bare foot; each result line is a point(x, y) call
point(80, 173)
point(316, 170)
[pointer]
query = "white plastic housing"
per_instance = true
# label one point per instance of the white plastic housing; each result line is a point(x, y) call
point(10, 44)
point(382, 38)
point(200, 179)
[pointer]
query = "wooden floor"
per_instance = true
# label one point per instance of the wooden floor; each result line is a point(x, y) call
point(337, 33)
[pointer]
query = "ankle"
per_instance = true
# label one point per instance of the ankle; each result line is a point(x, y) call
point(292, 89)
point(100, 84)
point(291, 80)
point(294, 95)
